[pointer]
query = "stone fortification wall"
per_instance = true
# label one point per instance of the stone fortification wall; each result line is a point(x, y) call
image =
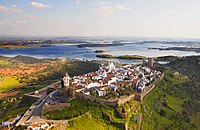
point(49, 108)
point(125, 99)
point(84, 97)
point(31, 98)
point(112, 103)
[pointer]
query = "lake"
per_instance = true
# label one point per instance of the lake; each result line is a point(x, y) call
point(72, 51)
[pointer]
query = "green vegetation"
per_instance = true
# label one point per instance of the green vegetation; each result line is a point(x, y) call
point(81, 67)
point(12, 106)
point(129, 57)
point(8, 83)
point(174, 103)
point(166, 58)
point(4, 62)
point(23, 70)
point(102, 116)
point(86, 115)
point(164, 104)
point(28, 60)
point(86, 122)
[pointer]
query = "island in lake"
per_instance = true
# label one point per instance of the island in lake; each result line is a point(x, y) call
point(100, 51)
point(129, 57)
point(179, 49)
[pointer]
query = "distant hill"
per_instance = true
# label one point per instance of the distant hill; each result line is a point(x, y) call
point(28, 59)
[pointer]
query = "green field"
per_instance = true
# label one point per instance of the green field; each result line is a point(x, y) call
point(86, 122)
point(4, 62)
point(8, 83)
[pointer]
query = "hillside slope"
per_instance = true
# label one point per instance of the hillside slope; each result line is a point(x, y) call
point(175, 102)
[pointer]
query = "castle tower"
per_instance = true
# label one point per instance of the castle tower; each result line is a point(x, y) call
point(150, 62)
point(66, 80)
point(71, 92)
point(144, 62)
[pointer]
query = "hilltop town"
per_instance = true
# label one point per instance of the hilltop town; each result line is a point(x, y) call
point(112, 85)
point(111, 82)
point(113, 96)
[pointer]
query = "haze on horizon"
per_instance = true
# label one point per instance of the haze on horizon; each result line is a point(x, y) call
point(145, 18)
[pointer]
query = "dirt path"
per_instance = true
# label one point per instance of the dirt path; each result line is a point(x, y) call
point(8, 94)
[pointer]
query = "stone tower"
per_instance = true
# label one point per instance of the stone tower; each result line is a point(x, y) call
point(71, 92)
point(150, 62)
point(66, 80)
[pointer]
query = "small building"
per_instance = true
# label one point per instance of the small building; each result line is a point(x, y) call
point(10, 122)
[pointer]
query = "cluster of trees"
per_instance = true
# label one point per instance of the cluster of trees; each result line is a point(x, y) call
point(28, 60)
point(128, 57)
point(189, 66)
point(175, 102)
point(80, 67)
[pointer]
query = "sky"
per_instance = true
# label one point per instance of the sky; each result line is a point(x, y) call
point(143, 18)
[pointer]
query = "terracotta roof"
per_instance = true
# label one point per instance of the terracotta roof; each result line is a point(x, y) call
point(79, 87)
point(105, 81)
point(11, 120)
point(73, 85)
point(86, 90)
point(105, 86)
point(34, 125)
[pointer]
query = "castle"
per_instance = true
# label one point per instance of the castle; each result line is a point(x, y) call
point(68, 88)
point(110, 81)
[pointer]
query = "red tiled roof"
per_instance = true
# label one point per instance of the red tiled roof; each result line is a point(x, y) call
point(34, 125)
point(79, 87)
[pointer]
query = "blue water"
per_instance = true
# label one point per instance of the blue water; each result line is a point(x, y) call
point(72, 51)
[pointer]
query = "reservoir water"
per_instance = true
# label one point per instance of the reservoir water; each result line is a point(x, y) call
point(72, 51)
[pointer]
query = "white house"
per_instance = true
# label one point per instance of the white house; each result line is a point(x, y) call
point(101, 93)
point(104, 74)
point(113, 87)
point(113, 79)
point(111, 67)
point(91, 85)
point(44, 125)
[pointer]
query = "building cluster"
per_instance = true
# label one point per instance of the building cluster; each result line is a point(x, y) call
point(10, 122)
point(111, 78)
point(38, 126)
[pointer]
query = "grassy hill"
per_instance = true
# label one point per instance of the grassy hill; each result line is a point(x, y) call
point(175, 102)
point(88, 115)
